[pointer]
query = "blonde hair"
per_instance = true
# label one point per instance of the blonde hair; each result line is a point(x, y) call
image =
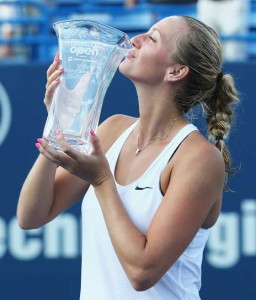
point(200, 49)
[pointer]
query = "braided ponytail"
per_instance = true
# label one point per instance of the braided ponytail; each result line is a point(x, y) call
point(200, 49)
point(221, 116)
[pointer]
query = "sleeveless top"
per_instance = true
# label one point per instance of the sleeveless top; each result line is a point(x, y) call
point(103, 277)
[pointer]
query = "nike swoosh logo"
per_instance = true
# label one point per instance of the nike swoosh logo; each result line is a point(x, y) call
point(142, 188)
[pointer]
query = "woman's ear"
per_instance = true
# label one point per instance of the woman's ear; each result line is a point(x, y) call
point(176, 73)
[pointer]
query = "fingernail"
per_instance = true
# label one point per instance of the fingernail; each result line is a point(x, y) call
point(92, 133)
point(37, 145)
point(57, 132)
point(61, 69)
point(56, 58)
point(57, 79)
point(39, 141)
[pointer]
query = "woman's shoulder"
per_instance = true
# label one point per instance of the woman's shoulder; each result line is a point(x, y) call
point(109, 131)
point(196, 165)
point(197, 149)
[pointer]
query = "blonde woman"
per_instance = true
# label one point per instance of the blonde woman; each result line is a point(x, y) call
point(152, 186)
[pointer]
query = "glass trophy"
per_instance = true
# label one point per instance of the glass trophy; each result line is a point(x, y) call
point(90, 53)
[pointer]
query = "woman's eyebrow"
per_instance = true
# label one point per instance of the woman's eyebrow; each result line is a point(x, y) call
point(156, 29)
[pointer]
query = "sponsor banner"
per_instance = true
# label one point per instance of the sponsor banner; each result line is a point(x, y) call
point(45, 263)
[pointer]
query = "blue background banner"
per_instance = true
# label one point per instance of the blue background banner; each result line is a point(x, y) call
point(45, 263)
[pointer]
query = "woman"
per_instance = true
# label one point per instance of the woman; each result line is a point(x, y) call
point(149, 203)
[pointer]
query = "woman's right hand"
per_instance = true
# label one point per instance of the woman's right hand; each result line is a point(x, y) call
point(53, 79)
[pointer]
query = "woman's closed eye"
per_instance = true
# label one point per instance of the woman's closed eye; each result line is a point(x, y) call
point(151, 38)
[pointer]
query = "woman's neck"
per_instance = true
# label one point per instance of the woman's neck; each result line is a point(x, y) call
point(158, 110)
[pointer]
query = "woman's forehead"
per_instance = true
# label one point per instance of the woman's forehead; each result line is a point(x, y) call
point(171, 26)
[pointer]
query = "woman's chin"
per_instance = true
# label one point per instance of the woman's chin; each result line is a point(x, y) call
point(123, 69)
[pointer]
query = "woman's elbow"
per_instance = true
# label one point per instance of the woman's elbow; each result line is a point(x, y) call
point(142, 280)
point(140, 286)
point(25, 223)
point(26, 226)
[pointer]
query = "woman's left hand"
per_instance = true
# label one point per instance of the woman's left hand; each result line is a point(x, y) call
point(93, 167)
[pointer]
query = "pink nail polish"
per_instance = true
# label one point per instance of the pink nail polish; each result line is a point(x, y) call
point(37, 145)
point(57, 132)
point(92, 133)
point(57, 79)
point(56, 58)
point(61, 69)
point(39, 141)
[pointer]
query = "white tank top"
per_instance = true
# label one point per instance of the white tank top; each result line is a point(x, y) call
point(103, 277)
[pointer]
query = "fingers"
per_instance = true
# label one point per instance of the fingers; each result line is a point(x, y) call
point(66, 148)
point(96, 148)
point(54, 66)
point(58, 157)
point(55, 156)
point(50, 89)
point(53, 80)
point(92, 168)
point(55, 75)
point(42, 148)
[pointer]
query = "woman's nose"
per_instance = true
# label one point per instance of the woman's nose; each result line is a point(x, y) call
point(137, 40)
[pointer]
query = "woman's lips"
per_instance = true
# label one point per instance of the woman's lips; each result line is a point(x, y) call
point(131, 54)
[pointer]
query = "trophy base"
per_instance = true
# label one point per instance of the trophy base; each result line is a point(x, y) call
point(81, 146)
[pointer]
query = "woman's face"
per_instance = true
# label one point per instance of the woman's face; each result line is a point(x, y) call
point(151, 55)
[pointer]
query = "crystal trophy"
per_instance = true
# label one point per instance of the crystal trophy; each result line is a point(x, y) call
point(90, 53)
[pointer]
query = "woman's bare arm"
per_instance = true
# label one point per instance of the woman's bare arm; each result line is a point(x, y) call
point(185, 206)
point(46, 192)
point(49, 190)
